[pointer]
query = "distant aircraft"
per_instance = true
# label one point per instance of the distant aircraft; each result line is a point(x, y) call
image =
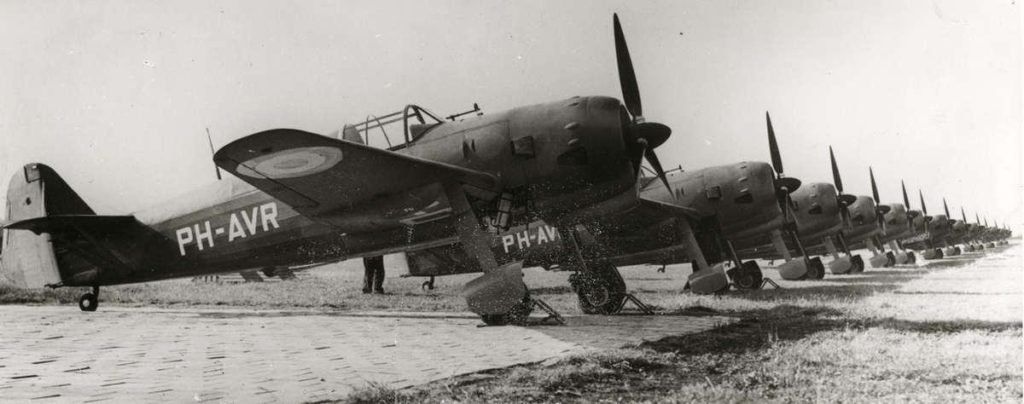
point(931, 233)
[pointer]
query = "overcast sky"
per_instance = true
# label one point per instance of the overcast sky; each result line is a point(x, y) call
point(115, 95)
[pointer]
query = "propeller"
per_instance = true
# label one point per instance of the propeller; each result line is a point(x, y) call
point(844, 200)
point(645, 136)
point(963, 215)
point(880, 210)
point(784, 186)
point(976, 218)
point(946, 207)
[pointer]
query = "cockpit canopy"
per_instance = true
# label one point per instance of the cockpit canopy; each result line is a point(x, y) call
point(391, 131)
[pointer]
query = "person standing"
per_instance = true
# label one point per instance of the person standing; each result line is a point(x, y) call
point(373, 274)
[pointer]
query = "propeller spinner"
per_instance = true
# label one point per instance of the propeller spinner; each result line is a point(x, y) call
point(646, 136)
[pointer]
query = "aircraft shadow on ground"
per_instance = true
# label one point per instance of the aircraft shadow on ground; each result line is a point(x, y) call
point(760, 329)
point(841, 291)
point(927, 292)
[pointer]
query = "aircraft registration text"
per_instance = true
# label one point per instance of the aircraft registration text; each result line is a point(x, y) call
point(240, 224)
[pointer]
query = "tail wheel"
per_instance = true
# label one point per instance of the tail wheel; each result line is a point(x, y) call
point(747, 277)
point(88, 302)
point(600, 290)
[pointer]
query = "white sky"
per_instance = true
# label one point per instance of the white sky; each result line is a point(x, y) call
point(115, 95)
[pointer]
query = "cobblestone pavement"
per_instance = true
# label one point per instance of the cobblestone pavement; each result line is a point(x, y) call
point(118, 354)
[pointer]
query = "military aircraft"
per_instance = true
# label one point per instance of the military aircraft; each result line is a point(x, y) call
point(931, 232)
point(875, 224)
point(823, 214)
point(304, 198)
point(737, 206)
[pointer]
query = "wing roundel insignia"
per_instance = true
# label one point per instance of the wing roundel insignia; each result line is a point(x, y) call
point(291, 163)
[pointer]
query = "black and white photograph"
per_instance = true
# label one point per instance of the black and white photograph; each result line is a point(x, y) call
point(456, 201)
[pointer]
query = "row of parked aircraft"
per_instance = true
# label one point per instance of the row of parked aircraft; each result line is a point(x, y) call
point(559, 183)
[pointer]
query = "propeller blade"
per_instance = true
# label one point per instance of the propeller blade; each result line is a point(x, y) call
point(835, 171)
point(656, 165)
point(874, 186)
point(924, 208)
point(976, 218)
point(654, 133)
point(627, 76)
point(946, 207)
point(773, 146)
point(906, 200)
point(963, 215)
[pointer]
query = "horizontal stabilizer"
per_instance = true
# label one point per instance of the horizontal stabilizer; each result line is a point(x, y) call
point(117, 244)
point(55, 224)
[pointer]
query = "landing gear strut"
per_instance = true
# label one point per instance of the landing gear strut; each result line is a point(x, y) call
point(90, 301)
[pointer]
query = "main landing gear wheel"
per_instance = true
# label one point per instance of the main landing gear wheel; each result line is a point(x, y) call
point(746, 277)
point(938, 253)
point(600, 290)
point(911, 258)
point(90, 301)
point(816, 269)
point(891, 259)
point(516, 315)
point(957, 250)
point(857, 264)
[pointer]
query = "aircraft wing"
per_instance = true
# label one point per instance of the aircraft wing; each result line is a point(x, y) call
point(316, 174)
point(668, 208)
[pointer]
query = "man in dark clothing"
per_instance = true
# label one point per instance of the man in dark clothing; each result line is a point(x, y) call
point(373, 275)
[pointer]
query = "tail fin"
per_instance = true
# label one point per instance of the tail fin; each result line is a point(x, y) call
point(29, 260)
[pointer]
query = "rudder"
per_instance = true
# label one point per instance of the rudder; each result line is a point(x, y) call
point(28, 260)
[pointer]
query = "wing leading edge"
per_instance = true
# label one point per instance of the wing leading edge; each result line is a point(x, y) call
point(317, 175)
